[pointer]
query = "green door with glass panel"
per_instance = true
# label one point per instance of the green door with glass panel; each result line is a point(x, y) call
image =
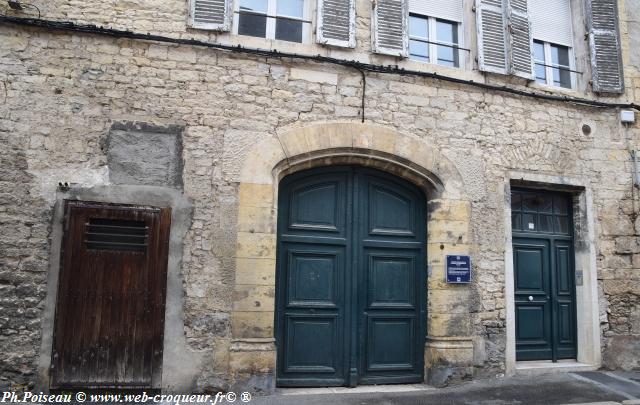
point(543, 260)
point(351, 283)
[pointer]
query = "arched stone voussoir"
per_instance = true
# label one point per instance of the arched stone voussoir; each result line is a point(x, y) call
point(343, 137)
point(257, 168)
point(292, 145)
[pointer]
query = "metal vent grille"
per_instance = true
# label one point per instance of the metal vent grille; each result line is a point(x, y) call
point(116, 235)
point(210, 11)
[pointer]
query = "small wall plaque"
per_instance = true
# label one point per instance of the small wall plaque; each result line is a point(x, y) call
point(458, 269)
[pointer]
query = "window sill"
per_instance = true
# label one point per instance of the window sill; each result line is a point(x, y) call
point(560, 91)
point(271, 44)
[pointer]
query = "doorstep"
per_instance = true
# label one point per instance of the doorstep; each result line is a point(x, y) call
point(362, 389)
point(533, 368)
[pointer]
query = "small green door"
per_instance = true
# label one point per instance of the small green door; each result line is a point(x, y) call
point(351, 286)
point(543, 259)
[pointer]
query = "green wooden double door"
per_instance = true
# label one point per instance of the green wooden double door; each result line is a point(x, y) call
point(351, 283)
point(543, 258)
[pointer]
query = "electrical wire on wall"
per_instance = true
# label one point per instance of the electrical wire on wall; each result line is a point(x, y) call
point(360, 66)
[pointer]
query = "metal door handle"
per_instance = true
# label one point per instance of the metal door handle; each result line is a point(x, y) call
point(530, 298)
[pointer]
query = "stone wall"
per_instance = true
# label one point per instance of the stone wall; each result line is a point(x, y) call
point(60, 95)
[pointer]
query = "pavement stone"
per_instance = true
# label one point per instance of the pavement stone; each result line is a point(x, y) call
point(556, 389)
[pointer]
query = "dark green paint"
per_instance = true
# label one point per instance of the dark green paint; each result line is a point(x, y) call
point(351, 282)
point(543, 261)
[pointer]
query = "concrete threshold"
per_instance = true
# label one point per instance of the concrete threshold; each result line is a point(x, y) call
point(363, 389)
point(533, 368)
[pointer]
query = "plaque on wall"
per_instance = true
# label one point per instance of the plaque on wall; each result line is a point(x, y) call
point(458, 269)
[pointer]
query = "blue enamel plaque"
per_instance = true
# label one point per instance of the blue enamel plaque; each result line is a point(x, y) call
point(458, 269)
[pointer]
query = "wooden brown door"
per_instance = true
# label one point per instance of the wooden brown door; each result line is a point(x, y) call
point(111, 297)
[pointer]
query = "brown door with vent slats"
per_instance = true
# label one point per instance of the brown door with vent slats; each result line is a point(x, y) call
point(111, 297)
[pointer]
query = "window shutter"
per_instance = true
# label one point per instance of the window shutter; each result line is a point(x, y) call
point(604, 42)
point(520, 39)
point(389, 27)
point(210, 14)
point(492, 54)
point(336, 23)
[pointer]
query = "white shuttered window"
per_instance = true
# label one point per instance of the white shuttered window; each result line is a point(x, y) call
point(553, 42)
point(286, 20)
point(434, 31)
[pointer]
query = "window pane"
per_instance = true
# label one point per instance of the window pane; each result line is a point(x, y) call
point(259, 6)
point(561, 78)
point(560, 205)
point(529, 222)
point(419, 50)
point(530, 202)
point(252, 25)
point(538, 51)
point(538, 55)
point(289, 30)
point(560, 56)
point(516, 202)
point(447, 32)
point(516, 222)
point(546, 204)
point(546, 223)
point(418, 27)
point(541, 74)
point(562, 225)
point(290, 8)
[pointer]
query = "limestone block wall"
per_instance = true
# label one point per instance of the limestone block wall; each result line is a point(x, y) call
point(61, 93)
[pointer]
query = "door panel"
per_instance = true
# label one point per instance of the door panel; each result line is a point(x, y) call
point(565, 300)
point(543, 275)
point(313, 241)
point(313, 278)
point(318, 331)
point(110, 308)
point(532, 298)
point(390, 344)
point(351, 283)
point(391, 278)
point(391, 213)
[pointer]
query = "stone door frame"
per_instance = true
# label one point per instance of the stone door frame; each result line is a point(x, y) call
point(252, 352)
point(587, 313)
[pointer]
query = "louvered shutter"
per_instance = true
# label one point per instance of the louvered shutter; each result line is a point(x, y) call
point(210, 14)
point(520, 39)
point(492, 49)
point(604, 42)
point(389, 27)
point(336, 23)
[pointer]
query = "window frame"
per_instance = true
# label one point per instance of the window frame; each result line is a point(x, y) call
point(433, 36)
point(550, 65)
point(270, 31)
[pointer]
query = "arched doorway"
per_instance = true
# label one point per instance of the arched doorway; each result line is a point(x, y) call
point(351, 278)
